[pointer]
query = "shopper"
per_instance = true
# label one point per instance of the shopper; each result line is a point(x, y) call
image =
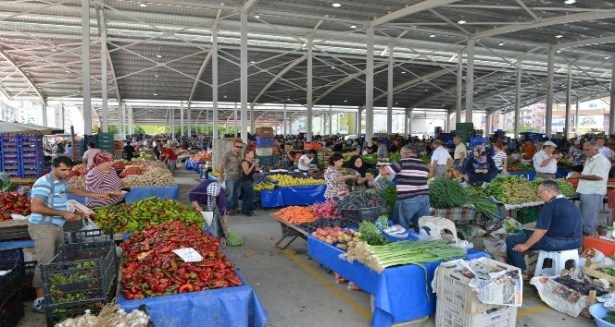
point(157, 148)
point(49, 213)
point(605, 151)
point(592, 186)
point(129, 151)
point(528, 150)
point(88, 156)
point(365, 174)
point(500, 158)
point(381, 148)
point(461, 153)
point(286, 158)
point(440, 160)
point(480, 168)
point(558, 228)
point(305, 161)
point(248, 167)
point(102, 179)
point(335, 180)
point(412, 191)
point(199, 198)
point(545, 161)
point(168, 155)
point(230, 174)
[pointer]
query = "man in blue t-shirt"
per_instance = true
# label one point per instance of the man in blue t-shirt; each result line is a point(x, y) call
point(49, 213)
point(559, 227)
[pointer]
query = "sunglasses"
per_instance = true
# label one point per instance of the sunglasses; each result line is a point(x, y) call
point(239, 147)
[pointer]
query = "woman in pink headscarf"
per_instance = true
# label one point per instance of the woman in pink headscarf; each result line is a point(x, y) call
point(103, 179)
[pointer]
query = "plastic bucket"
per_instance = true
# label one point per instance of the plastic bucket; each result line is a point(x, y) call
point(598, 311)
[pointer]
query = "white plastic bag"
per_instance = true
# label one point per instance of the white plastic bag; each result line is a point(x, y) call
point(96, 235)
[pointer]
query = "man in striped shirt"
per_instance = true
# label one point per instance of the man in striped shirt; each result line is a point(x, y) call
point(49, 213)
point(412, 189)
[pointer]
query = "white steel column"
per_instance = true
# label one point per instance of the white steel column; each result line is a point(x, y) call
point(549, 107)
point(369, 85)
point(214, 86)
point(131, 126)
point(447, 122)
point(488, 117)
point(612, 111)
point(243, 67)
point(409, 122)
point(252, 119)
point(44, 107)
point(330, 120)
point(85, 66)
point(576, 118)
point(235, 119)
point(309, 103)
point(390, 90)
point(568, 104)
point(517, 104)
point(189, 120)
point(459, 87)
point(359, 121)
point(285, 122)
point(470, 80)
point(123, 118)
point(181, 118)
point(104, 83)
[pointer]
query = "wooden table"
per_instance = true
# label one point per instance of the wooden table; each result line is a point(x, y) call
point(289, 231)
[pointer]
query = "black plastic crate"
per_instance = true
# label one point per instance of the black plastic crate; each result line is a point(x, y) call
point(28, 293)
point(11, 282)
point(80, 272)
point(11, 311)
point(92, 235)
point(358, 215)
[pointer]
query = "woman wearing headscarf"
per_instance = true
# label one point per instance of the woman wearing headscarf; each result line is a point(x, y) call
point(480, 168)
point(103, 179)
point(365, 175)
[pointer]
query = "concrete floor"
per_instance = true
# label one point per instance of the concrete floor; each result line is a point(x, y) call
point(297, 291)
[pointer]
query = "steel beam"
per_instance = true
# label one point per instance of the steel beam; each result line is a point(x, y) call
point(409, 10)
point(85, 66)
point(309, 85)
point(369, 84)
point(278, 76)
point(470, 80)
point(612, 105)
point(568, 104)
point(549, 95)
point(459, 87)
point(390, 91)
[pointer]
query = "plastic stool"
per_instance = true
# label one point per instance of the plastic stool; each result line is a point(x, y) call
point(436, 225)
point(558, 259)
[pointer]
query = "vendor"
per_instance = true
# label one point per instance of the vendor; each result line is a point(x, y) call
point(49, 213)
point(286, 158)
point(168, 156)
point(441, 160)
point(129, 151)
point(528, 150)
point(102, 179)
point(305, 161)
point(480, 168)
point(88, 156)
point(365, 176)
point(545, 161)
point(199, 199)
point(335, 180)
point(559, 227)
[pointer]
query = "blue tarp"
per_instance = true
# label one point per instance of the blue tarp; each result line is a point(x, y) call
point(529, 175)
point(142, 192)
point(192, 165)
point(293, 195)
point(400, 293)
point(232, 306)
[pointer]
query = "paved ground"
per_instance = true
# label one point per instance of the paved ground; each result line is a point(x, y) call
point(296, 291)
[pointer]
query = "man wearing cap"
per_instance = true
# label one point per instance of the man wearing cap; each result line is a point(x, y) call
point(545, 162)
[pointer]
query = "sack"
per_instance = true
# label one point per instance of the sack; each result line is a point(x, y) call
point(90, 232)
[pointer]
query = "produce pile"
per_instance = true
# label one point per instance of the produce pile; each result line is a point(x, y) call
point(76, 181)
point(565, 163)
point(201, 156)
point(13, 202)
point(151, 268)
point(370, 234)
point(9, 187)
point(77, 170)
point(327, 209)
point(517, 166)
point(131, 170)
point(295, 214)
point(261, 178)
point(343, 239)
point(152, 176)
point(110, 315)
point(327, 222)
point(448, 193)
point(287, 180)
point(361, 200)
point(144, 213)
point(513, 190)
point(119, 165)
point(566, 188)
point(379, 257)
point(573, 288)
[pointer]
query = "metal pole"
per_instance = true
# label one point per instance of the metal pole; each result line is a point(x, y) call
point(470, 80)
point(189, 120)
point(488, 117)
point(243, 67)
point(576, 118)
point(408, 122)
point(459, 87)
point(309, 100)
point(252, 119)
point(44, 107)
point(359, 123)
point(330, 120)
point(612, 111)
point(123, 122)
point(214, 85)
point(285, 122)
point(131, 126)
point(235, 119)
point(104, 83)
point(85, 66)
point(181, 119)
point(549, 108)
point(517, 104)
point(390, 91)
point(568, 104)
point(369, 85)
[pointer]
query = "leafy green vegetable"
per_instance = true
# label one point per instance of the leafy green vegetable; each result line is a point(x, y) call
point(447, 193)
point(389, 194)
point(233, 239)
point(371, 234)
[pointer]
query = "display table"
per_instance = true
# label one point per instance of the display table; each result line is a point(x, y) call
point(193, 165)
point(461, 214)
point(289, 231)
point(232, 306)
point(401, 293)
point(142, 192)
point(293, 195)
point(606, 246)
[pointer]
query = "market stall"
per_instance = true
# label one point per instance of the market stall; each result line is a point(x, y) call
point(293, 195)
point(137, 193)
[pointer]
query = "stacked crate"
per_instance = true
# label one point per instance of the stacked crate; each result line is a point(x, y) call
point(465, 131)
point(264, 145)
point(11, 302)
point(106, 142)
point(458, 306)
point(23, 156)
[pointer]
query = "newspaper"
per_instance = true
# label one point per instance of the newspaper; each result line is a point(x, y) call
point(494, 282)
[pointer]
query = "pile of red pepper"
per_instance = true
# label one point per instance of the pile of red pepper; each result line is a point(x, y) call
point(13, 202)
point(151, 268)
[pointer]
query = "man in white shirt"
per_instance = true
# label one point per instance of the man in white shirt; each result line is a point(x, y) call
point(441, 160)
point(605, 151)
point(592, 186)
point(88, 156)
point(461, 153)
point(305, 160)
point(545, 162)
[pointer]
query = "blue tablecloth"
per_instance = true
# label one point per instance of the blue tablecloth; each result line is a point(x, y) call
point(529, 175)
point(400, 293)
point(232, 306)
point(192, 165)
point(293, 195)
point(142, 192)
